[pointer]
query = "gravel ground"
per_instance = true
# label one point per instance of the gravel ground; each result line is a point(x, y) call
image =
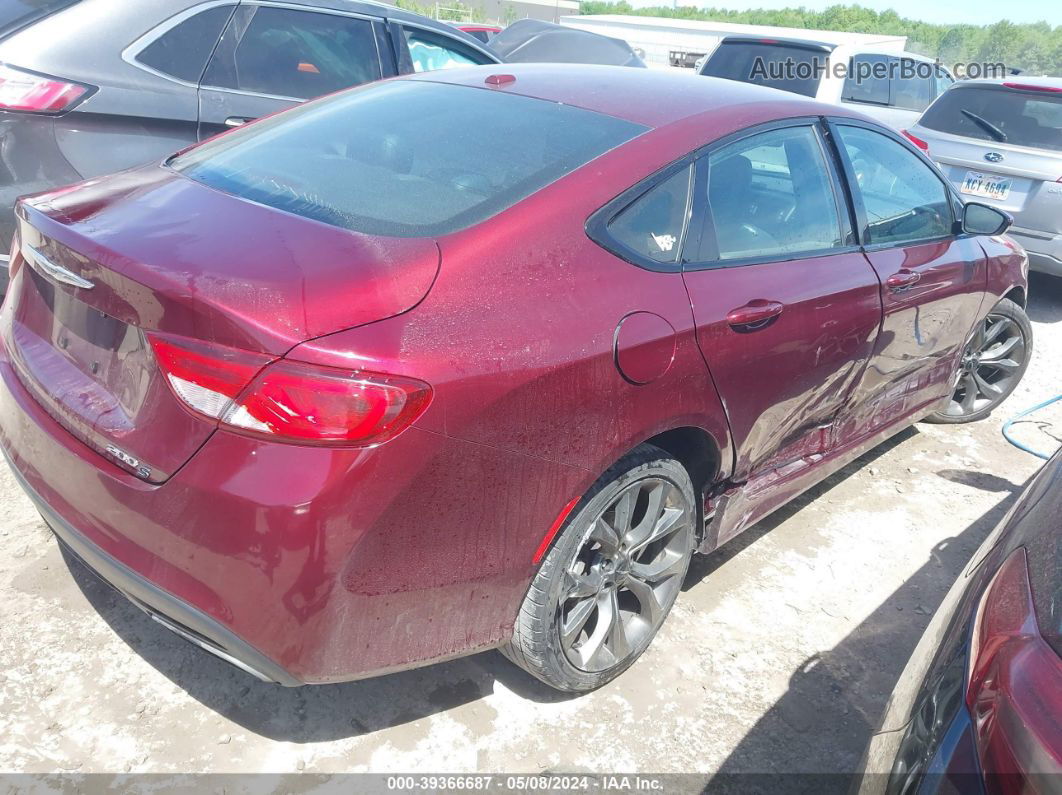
point(779, 656)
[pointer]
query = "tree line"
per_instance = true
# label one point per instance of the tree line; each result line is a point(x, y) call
point(1034, 48)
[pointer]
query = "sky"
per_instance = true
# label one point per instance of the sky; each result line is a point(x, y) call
point(944, 12)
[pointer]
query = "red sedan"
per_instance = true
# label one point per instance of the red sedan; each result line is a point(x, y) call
point(478, 360)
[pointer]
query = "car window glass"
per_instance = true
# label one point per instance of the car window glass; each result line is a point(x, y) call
point(904, 199)
point(771, 194)
point(653, 224)
point(999, 114)
point(867, 80)
point(785, 67)
point(183, 50)
point(407, 158)
point(291, 53)
point(429, 52)
point(912, 84)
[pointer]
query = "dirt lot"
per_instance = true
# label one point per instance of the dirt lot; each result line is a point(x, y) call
point(778, 657)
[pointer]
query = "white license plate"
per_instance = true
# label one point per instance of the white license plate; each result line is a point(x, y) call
point(988, 186)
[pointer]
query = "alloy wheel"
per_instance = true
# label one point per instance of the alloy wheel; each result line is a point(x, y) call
point(990, 367)
point(626, 574)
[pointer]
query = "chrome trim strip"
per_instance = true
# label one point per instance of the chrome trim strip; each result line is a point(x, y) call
point(56, 272)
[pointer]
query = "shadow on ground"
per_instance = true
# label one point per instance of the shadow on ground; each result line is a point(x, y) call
point(1045, 298)
point(835, 699)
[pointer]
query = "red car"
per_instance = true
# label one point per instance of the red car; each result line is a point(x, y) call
point(979, 706)
point(475, 360)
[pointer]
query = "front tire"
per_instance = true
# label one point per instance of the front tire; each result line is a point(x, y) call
point(994, 361)
point(607, 585)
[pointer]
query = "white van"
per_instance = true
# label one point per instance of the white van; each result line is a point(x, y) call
point(892, 87)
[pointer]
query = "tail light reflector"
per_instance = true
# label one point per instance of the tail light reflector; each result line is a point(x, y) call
point(1015, 686)
point(916, 141)
point(24, 91)
point(289, 401)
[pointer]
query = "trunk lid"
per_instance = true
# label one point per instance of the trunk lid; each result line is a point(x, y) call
point(165, 254)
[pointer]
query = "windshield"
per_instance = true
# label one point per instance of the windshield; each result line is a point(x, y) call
point(1003, 115)
point(782, 66)
point(405, 158)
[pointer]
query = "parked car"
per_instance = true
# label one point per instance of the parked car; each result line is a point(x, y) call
point(1000, 142)
point(893, 88)
point(363, 385)
point(482, 32)
point(162, 74)
point(979, 706)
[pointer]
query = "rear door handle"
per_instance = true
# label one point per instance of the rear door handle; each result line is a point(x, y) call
point(755, 314)
point(237, 121)
point(903, 279)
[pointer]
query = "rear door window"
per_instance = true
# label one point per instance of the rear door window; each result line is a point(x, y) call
point(183, 50)
point(797, 70)
point(867, 80)
point(772, 195)
point(904, 200)
point(1005, 115)
point(429, 51)
point(913, 83)
point(292, 53)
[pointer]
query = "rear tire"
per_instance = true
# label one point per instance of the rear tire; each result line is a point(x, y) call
point(993, 363)
point(613, 573)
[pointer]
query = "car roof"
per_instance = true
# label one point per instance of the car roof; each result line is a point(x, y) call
point(752, 38)
point(650, 97)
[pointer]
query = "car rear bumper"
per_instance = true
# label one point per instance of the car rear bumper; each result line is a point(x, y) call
point(303, 564)
point(174, 614)
point(1043, 248)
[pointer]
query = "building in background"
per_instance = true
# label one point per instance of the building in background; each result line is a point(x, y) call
point(680, 43)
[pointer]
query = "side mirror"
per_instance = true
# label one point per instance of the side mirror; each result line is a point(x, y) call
point(980, 219)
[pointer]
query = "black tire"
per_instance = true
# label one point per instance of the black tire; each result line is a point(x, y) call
point(622, 615)
point(971, 401)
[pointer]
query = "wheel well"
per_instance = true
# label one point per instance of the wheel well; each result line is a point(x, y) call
point(1017, 295)
point(696, 450)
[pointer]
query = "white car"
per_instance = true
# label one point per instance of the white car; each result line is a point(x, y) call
point(892, 87)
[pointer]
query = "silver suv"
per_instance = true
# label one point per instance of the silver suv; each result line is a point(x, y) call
point(1000, 142)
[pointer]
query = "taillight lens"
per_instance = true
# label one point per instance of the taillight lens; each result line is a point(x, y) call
point(290, 401)
point(916, 141)
point(1015, 686)
point(32, 93)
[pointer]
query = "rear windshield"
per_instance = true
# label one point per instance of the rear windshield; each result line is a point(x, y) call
point(405, 158)
point(793, 69)
point(15, 14)
point(1024, 118)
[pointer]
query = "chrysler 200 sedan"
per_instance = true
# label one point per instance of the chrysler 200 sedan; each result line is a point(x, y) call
point(478, 360)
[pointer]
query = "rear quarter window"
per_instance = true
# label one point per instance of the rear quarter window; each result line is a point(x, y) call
point(1004, 115)
point(407, 158)
point(183, 50)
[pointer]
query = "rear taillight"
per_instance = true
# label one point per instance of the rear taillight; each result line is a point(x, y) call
point(1014, 690)
point(27, 92)
point(289, 401)
point(916, 141)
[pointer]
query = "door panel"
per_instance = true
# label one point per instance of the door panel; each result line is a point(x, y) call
point(783, 382)
point(932, 282)
point(924, 329)
point(786, 310)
